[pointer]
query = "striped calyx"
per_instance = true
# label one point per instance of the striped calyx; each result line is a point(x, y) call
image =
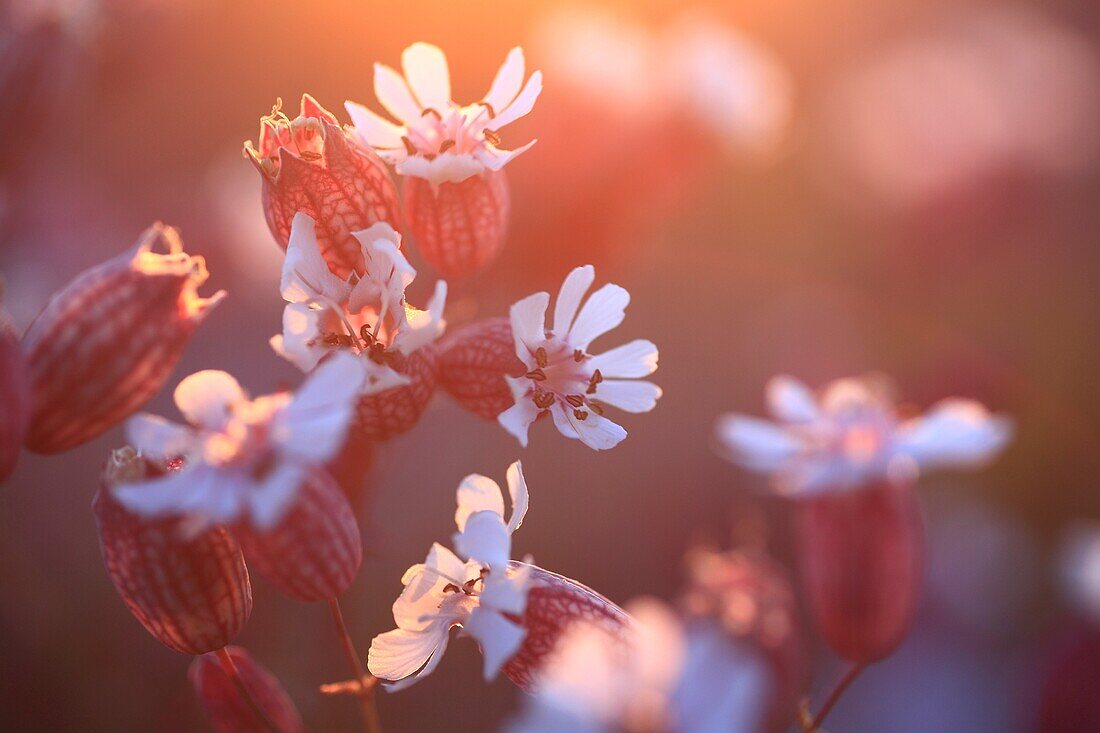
point(473, 361)
point(311, 165)
point(192, 593)
point(314, 553)
point(554, 604)
point(224, 703)
point(397, 410)
point(107, 342)
point(459, 228)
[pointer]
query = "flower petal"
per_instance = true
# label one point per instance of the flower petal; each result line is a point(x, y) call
point(572, 291)
point(495, 158)
point(517, 419)
point(206, 398)
point(629, 395)
point(506, 592)
point(635, 359)
point(791, 401)
point(446, 168)
point(756, 444)
point(517, 489)
point(528, 318)
point(425, 68)
point(200, 491)
point(312, 426)
point(374, 131)
point(484, 538)
point(305, 275)
point(393, 94)
point(422, 327)
point(158, 437)
point(521, 105)
point(300, 343)
point(274, 495)
point(499, 638)
point(595, 431)
point(955, 432)
point(602, 312)
point(398, 654)
point(506, 84)
point(477, 493)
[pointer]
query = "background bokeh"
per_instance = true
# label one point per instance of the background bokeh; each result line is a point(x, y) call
point(906, 186)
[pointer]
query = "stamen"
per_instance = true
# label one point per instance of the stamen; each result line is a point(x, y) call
point(541, 357)
point(309, 155)
point(486, 105)
point(409, 147)
point(596, 379)
point(536, 374)
point(365, 334)
point(492, 138)
point(432, 111)
point(580, 414)
point(451, 588)
point(596, 408)
point(578, 356)
point(575, 400)
point(446, 145)
point(543, 400)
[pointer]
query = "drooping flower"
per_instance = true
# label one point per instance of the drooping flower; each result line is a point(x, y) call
point(563, 378)
point(190, 590)
point(107, 341)
point(517, 612)
point(473, 362)
point(226, 707)
point(852, 435)
point(456, 196)
point(659, 677)
point(366, 315)
point(311, 165)
point(244, 459)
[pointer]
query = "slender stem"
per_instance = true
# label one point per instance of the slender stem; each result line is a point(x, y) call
point(835, 695)
point(366, 695)
point(231, 671)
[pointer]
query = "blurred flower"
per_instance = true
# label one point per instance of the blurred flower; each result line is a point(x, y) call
point(480, 595)
point(1080, 561)
point(439, 140)
point(107, 341)
point(851, 435)
point(226, 707)
point(473, 362)
point(566, 381)
point(15, 394)
point(243, 457)
point(661, 677)
point(310, 165)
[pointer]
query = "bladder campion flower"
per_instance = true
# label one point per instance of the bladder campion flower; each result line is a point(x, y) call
point(563, 379)
point(456, 196)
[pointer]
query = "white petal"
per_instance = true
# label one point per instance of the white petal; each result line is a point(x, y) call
point(374, 131)
point(423, 326)
point(445, 168)
point(595, 431)
point(506, 84)
point(424, 586)
point(602, 312)
point(205, 398)
point(954, 432)
point(572, 292)
point(484, 538)
point(629, 395)
point(158, 437)
point(397, 654)
point(494, 158)
point(517, 419)
point(517, 489)
point(521, 105)
point(477, 493)
point(632, 360)
point(300, 342)
point(274, 495)
point(506, 591)
point(756, 444)
point(379, 378)
point(791, 401)
point(313, 425)
point(499, 638)
point(528, 318)
point(201, 491)
point(425, 67)
point(305, 275)
point(393, 94)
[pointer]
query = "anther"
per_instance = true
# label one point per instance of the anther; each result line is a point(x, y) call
point(578, 356)
point(595, 408)
point(596, 379)
point(575, 399)
point(431, 111)
point(580, 414)
point(446, 145)
point(409, 147)
point(486, 105)
point(543, 400)
point(493, 138)
point(536, 374)
point(541, 357)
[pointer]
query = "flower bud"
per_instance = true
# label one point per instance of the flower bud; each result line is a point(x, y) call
point(226, 707)
point(554, 604)
point(383, 415)
point(751, 597)
point(310, 164)
point(190, 592)
point(314, 553)
point(351, 467)
point(15, 396)
point(459, 228)
point(861, 553)
point(107, 342)
point(473, 361)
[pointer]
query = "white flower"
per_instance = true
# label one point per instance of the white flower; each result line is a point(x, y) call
point(436, 138)
point(563, 378)
point(669, 678)
point(479, 595)
point(851, 435)
point(1079, 559)
point(366, 314)
point(243, 458)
